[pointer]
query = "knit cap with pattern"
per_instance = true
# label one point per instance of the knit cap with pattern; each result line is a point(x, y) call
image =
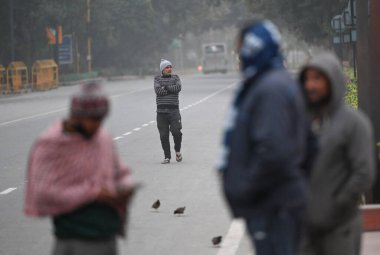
point(90, 101)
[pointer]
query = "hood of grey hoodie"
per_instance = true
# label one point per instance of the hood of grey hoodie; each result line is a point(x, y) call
point(329, 65)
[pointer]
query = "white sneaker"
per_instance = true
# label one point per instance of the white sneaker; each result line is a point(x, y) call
point(166, 161)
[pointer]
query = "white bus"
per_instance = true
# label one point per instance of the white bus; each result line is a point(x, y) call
point(214, 58)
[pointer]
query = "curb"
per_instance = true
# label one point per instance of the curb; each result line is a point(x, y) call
point(371, 217)
point(72, 83)
point(100, 79)
point(125, 78)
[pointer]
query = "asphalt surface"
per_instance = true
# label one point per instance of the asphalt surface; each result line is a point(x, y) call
point(193, 183)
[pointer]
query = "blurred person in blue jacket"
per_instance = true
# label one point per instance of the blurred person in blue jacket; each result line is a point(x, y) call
point(265, 145)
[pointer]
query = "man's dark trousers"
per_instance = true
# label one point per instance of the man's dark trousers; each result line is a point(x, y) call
point(170, 122)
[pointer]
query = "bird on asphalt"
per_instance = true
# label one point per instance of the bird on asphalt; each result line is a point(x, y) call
point(180, 210)
point(217, 240)
point(156, 205)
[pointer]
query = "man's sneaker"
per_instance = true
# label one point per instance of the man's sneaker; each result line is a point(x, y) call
point(178, 157)
point(166, 161)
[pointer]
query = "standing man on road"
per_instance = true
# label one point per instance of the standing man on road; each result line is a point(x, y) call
point(75, 177)
point(264, 145)
point(167, 87)
point(345, 166)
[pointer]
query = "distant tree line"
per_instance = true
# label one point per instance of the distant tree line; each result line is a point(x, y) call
point(129, 34)
point(125, 33)
point(308, 19)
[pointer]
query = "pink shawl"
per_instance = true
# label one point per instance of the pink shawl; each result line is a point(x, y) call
point(66, 172)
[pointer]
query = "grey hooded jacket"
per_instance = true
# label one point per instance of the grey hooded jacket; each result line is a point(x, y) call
point(345, 166)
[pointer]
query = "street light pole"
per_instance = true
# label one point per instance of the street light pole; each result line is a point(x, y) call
point(89, 40)
point(12, 30)
point(374, 47)
point(363, 55)
point(353, 27)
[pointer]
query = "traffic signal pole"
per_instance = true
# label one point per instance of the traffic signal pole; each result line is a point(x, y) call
point(362, 48)
point(368, 49)
point(368, 52)
point(12, 32)
point(374, 65)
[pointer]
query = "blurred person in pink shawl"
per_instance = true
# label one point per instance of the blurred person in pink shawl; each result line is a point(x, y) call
point(75, 177)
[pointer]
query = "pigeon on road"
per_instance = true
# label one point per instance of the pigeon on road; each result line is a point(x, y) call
point(180, 210)
point(156, 205)
point(216, 240)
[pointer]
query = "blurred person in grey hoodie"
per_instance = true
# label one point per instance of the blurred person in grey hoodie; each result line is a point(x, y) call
point(345, 166)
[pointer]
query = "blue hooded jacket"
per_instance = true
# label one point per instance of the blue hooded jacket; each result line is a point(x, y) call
point(265, 135)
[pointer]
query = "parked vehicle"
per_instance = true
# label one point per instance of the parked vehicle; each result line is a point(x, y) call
point(214, 58)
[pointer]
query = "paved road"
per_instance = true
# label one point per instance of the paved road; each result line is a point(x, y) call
point(192, 183)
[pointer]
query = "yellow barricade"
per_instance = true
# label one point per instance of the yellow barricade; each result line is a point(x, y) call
point(3, 80)
point(17, 77)
point(45, 74)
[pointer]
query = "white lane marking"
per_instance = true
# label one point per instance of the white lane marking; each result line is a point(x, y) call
point(231, 242)
point(61, 109)
point(130, 93)
point(216, 93)
point(32, 117)
point(7, 191)
point(183, 109)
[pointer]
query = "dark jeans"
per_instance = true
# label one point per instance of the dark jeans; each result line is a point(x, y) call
point(170, 122)
point(277, 233)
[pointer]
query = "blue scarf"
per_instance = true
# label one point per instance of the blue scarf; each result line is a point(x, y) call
point(260, 52)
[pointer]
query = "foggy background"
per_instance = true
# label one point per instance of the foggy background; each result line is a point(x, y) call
point(129, 37)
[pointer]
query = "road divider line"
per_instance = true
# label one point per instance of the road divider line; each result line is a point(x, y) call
point(7, 191)
point(32, 117)
point(182, 109)
point(6, 123)
point(231, 242)
point(130, 93)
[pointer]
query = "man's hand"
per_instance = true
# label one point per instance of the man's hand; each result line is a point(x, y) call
point(121, 196)
point(105, 196)
point(127, 194)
